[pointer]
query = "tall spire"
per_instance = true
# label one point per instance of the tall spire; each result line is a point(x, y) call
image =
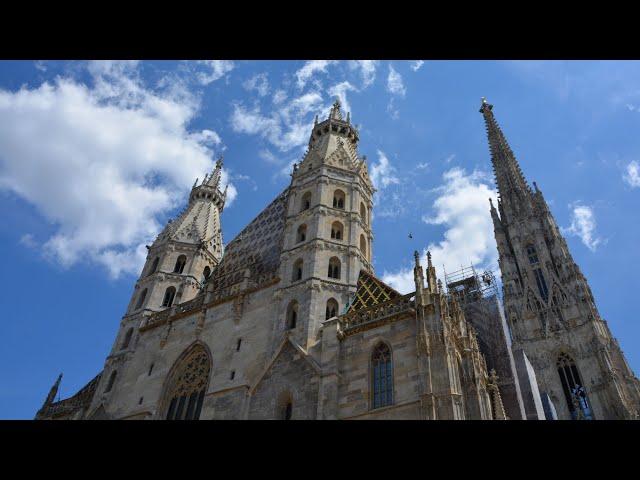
point(53, 392)
point(512, 186)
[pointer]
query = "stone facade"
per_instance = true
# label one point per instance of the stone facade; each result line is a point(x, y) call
point(289, 321)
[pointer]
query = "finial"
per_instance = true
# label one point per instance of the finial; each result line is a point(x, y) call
point(485, 105)
point(491, 202)
point(348, 117)
point(195, 183)
point(416, 255)
point(219, 161)
point(315, 121)
point(428, 258)
point(535, 185)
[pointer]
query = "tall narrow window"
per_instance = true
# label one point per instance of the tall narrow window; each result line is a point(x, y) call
point(332, 308)
point(302, 234)
point(531, 253)
point(574, 391)
point(288, 411)
point(141, 299)
point(169, 295)
point(542, 284)
point(284, 406)
point(334, 268)
point(154, 266)
point(382, 378)
point(180, 263)
point(292, 315)
point(337, 231)
point(363, 214)
point(205, 273)
point(297, 270)
point(112, 380)
point(127, 339)
point(363, 245)
point(306, 202)
point(238, 345)
point(187, 386)
point(338, 199)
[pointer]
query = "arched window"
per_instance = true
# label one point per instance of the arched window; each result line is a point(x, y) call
point(306, 202)
point(363, 214)
point(297, 270)
point(154, 266)
point(334, 268)
point(180, 263)
point(188, 384)
point(112, 380)
point(169, 295)
point(338, 199)
point(531, 253)
point(332, 308)
point(337, 231)
point(285, 406)
point(363, 245)
point(302, 233)
point(205, 274)
point(141, 299)
point(292, 315)
point(127, 339)
point(382, 376)
point(574, 390)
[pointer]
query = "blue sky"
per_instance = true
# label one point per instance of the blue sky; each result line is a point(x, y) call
point(95, 157)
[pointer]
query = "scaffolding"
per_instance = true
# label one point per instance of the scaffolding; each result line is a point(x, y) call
point(469, 287)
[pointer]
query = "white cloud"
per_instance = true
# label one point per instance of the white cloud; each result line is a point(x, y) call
point(215, 69)
point(286, 128)
point(462, 206)
point(583, 225)
point(394, 83)
point(259, 83)
point(367, 70)
point(279, 96)
point(632, 174)
point(310, 68)
point(340, 90)
point(422, 166)
point(100, 162)
point(416, 64)
point(383, 173)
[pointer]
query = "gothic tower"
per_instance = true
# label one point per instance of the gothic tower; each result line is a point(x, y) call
point(177, 265)
point(548, 303)
point(327, 237)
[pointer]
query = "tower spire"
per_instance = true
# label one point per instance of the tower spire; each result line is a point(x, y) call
point(512, 186)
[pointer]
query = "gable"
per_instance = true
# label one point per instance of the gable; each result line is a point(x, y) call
point(371, 291)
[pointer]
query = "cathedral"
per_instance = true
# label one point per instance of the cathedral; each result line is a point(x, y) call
point(289, 321)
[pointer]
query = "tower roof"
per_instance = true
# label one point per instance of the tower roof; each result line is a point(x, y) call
point(512, 186)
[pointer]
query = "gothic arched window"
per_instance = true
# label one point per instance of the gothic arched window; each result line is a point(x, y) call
point(112, 380)
point(573, 388)
point(127, 339)
point(382, 376)
point(205, 273)
point(337, 231)
point(363, 245)
point(537, 272)
point(188, 384)
point(297, 270)
point(332, 308)
point(306, 202)
point(180, 263)
point(154, 266)
point(338, 199)
point(169, 295)
point(334, 268)
point(302, 233)
point(292, 315)
point(532, 254)
point(284, 406)
point(141, 298)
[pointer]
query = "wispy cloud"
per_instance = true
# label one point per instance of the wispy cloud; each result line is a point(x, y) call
point(258, 83)
point(395, 85)
point(632, 174)
point(309, 69)
point(215, 69)
point(367, 70)
point(416, 64)
point(583, 225)
point(383, 173)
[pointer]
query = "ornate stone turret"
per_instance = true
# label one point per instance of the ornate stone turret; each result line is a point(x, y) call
point(548, 303)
